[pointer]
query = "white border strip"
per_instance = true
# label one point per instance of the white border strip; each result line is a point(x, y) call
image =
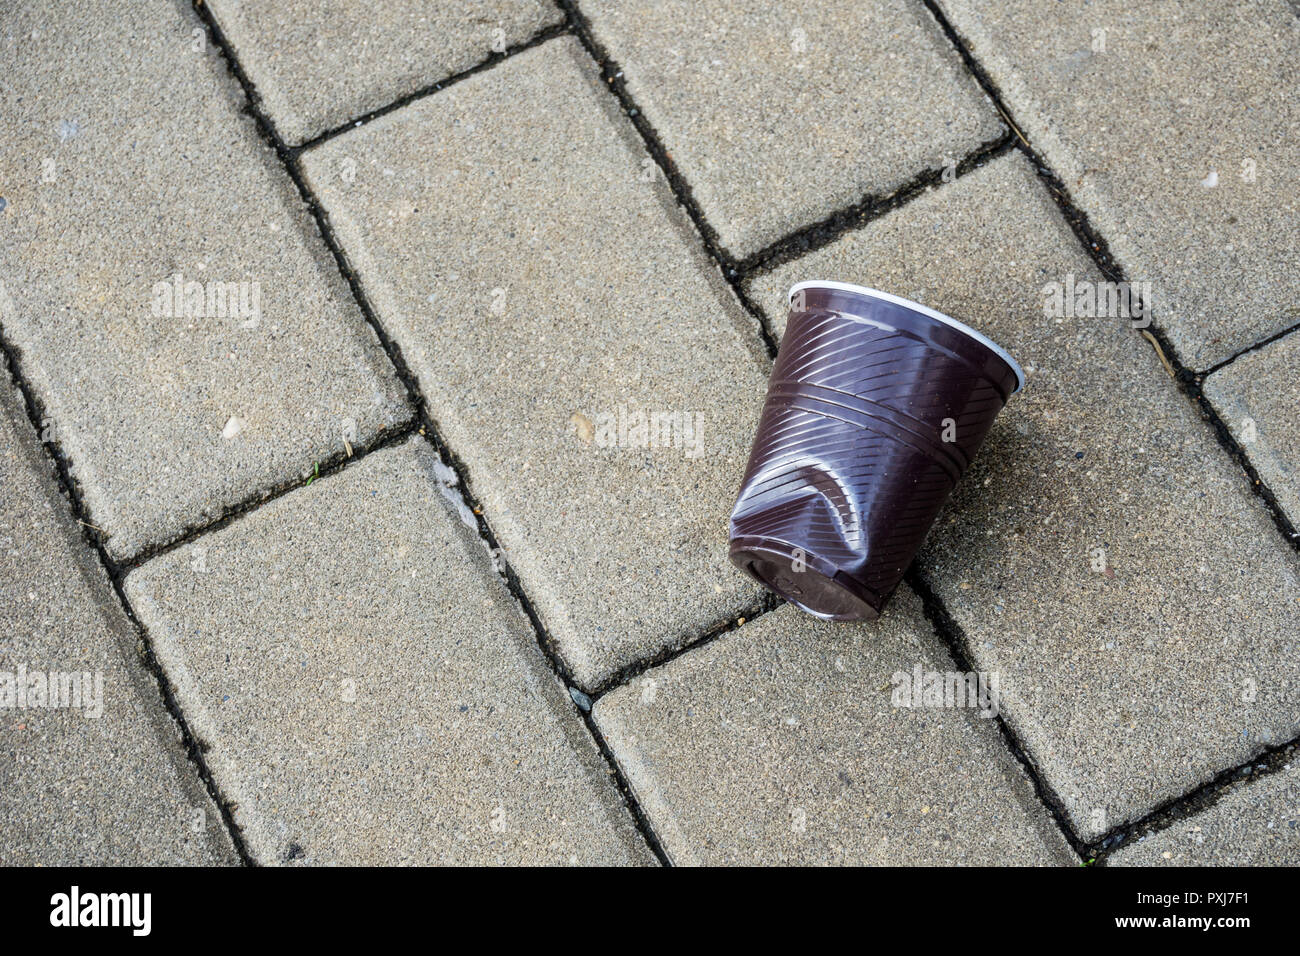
point(917, 307)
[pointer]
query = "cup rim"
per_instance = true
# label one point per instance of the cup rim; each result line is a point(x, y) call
point(916, 307)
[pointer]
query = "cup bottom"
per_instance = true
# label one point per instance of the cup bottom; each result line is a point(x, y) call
point(805, 580)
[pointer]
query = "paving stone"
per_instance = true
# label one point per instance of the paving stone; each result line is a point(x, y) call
point(1132, 684)
point(778, 115)
point(368, 690)
point(102, 779)
point(128, 162)
point(544, 293)
point(1256, 395)
point(1256, 824)
point(319, 63)
point(779, 743)
point(1156, 139)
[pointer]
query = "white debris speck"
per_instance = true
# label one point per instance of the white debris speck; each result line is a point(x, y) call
point(447, 482)
point(233, 428)
point(1212, 180)
point(444, 474)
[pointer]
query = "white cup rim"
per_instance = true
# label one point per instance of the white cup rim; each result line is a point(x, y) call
point(916, 307)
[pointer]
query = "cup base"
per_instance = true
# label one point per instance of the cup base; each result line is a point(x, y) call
point(805, 580)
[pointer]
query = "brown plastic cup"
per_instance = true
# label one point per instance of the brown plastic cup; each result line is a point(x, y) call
point(875, 409)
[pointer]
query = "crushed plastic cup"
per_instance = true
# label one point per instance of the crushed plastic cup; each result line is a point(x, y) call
point(874, 410)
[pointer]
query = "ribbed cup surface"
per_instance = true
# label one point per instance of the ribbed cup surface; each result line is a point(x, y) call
point(873, 412)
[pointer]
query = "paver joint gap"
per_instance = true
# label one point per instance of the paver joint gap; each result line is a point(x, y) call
point(1252, 348)
point(628, 674)
point(491, 60)
point(813, 237)
point(321, 469)
point(681, 190)
point(1187, 806)
point(544, 641)
point(639, 816)
point(954, 639)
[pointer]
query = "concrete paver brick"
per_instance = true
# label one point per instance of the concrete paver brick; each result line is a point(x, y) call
point(128, 172)
point(101, 779)
point(1173, 127)
point(1257, 396)
point(778, 115)
point(780, 743)
point(368, 690)
point(318, 63)
point(1257, 823)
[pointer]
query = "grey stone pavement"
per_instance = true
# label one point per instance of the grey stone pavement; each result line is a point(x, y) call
point(333, 530)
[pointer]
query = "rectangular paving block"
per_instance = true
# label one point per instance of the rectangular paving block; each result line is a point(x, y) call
point(318, 63)
point(172, 303)
point(1256, 823)
point(92, 771)
point(577, 349)
point(1103, 552)
point(778, 115)
point(368, 691)
point(1257, 395)
point(1173, 127)
point(787, 742)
